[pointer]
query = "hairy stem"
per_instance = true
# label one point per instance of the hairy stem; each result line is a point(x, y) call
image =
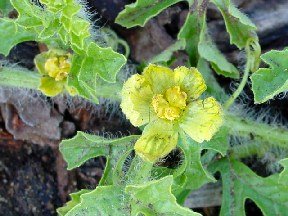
point(273, 135)
point(240, 88)
point(247, 150)
point(19, 77)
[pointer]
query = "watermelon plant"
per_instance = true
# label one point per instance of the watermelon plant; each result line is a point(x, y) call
point(183, 110)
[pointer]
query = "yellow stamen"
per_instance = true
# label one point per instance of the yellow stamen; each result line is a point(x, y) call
point(171, 105)
point(58, 67)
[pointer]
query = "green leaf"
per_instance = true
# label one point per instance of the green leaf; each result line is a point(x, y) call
point(75, 200)
point(238, 25)
point(19, 77)
point(241, 183)
point(103, 62)
point(191, 174)
point(11, 34)
point(268, 82)
point(5, 7)
point(104, 201)
point(190, 32)
point(155, 198)
point(208, 50)
point(138, 13)
point(85, 146)
point(283, 177)
point(167, 54)
point(73, 80)
point(213, 87)
point(29, 14)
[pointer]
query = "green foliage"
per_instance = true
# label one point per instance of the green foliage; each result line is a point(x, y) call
point(240, 183)
point(192, 169)
point(141, 11)
point(5, 7)
point(13, 34)
point(60, 25)
point(146, 199)
point(75, 200)
point(155, 198)
point(268, 82)
point(85, 146)
point(190, 32)
point(238, 25)
point(129, 185)
point(167, 54)
point(208, 50)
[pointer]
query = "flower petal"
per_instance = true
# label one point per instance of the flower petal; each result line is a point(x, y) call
point(136, 100)
point(160, 78)
point(190, 80)
point(50, 87)
point(40, 61)
point(202, 119)
point(159, 138)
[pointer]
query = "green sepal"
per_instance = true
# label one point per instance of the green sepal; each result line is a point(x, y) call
point(50, 87)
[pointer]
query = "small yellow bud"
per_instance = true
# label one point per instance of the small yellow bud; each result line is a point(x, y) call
point(157, 141)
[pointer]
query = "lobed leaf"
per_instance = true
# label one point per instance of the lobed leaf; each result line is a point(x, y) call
point(5, 7)
point(75, 200)
point(13, 34)
point(191, 174)
point(102, 62)
point(208, 50)
point(190, 32)
point(155, 198)
point(85, 146)
point(104, 200)
point(268, 82)
point(238, 25)
point(138, 13)
point(29, 15)
point(241, 183)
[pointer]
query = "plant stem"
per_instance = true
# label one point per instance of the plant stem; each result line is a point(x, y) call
point(249, 149)
point(273, 135)
point(240, 88)
point(139, 171)
point(20, 78)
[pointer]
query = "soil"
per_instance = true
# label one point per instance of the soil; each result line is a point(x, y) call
point(33, 175)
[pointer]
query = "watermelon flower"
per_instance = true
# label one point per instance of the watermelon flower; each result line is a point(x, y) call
point(167, 102)
point(54, 66)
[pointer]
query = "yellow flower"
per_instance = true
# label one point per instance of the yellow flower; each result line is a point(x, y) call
point(168, 101)
point(54, 66)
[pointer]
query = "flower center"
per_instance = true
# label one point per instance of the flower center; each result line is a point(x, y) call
point(171, 104)
point(58, 67)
